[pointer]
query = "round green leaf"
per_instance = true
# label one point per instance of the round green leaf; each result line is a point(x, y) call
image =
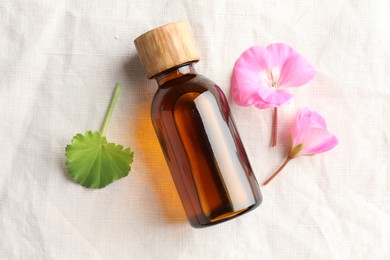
point(95, 163)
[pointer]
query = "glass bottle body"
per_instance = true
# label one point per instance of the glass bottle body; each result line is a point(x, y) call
point(203, 150)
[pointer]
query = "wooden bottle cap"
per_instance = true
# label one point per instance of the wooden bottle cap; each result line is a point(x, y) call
point(166, 47)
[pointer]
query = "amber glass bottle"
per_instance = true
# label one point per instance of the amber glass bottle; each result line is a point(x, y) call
point(193, 123)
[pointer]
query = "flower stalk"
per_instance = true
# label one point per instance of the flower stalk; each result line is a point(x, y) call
point(274, 138)
point(289, 158)
point(309, 136)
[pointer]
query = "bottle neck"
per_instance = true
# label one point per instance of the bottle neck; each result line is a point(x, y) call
point(175, 73)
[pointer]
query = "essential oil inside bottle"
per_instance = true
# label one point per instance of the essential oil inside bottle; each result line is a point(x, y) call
point(192, 120)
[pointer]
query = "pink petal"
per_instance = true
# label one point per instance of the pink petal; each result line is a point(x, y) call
point(264, 105)
point(317, 118)
point(280, 53)
point(327, 145)
point(265, 97)
point(305, 120)
point(277, 97)
point(295, 70)
point(316, 140)
point(256, 58)
point(305, 112)
point(245, 87)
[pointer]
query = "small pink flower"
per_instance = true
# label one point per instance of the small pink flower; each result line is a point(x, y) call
point(261, 74)
point(309, 136)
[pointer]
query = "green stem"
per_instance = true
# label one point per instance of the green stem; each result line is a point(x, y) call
point(114, 98)
point(289, 158)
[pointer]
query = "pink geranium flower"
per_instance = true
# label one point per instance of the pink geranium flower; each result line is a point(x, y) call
point(260, 76)
point(309, 136)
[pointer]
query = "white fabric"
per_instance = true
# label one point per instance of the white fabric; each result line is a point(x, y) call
point(59, 62)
